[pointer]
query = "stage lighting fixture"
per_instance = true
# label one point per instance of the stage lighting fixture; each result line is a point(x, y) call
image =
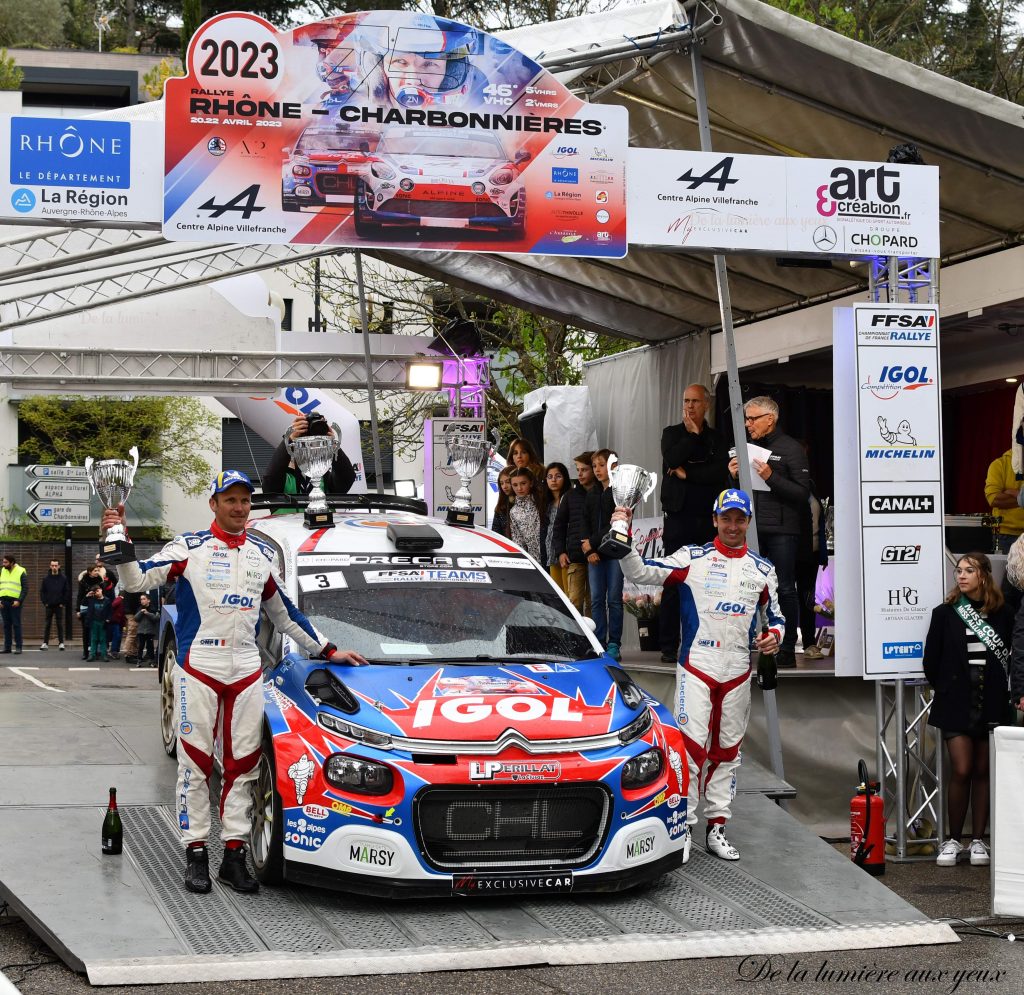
point(423, 376)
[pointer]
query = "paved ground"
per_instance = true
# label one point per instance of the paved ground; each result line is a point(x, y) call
point(977, 965)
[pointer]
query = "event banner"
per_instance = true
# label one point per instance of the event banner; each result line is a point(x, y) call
point(387, 128)
point(755, 203)
point(900, 479)
point(440, 481)
point(60, 170)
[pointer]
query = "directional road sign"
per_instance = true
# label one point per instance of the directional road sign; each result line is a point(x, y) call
point(48, 472)
point(59, 490)
point(58, 513)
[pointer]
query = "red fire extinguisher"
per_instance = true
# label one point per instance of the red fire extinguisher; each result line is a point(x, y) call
point(867, 825)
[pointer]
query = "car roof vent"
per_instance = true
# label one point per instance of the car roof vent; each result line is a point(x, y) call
point(414, 538)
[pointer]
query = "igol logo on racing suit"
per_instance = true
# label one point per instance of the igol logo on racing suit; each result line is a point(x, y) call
point(239, 600)
point(725, 609)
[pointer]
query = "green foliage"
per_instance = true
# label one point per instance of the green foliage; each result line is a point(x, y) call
point(35, 23)
point(16, 526)
point(125, 50)
point(191, 18)
point(11, 73)
point(171, 432)
point(153, 81)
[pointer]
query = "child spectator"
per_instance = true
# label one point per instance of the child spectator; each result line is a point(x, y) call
point(557, 479)
point(146, 620)
point(526, 517)
point(115, 625)
point(95, 613)
point(570, 528)
point(500, 522)
point(605, 574)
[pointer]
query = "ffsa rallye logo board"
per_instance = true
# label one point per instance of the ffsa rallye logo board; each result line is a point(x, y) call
point(478, 780)
point(387, 128)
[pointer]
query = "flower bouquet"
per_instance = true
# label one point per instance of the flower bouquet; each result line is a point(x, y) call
point(644, 603)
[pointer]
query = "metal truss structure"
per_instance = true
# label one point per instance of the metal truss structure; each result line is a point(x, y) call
point(917, 280)
point(909, 765)
point(184, 371)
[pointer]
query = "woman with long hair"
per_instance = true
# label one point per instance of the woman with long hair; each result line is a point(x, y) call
point(528, 524)
point(605, 574)
point(557, 479)
point(500, 522)
point(521, 454)
point(966, 661)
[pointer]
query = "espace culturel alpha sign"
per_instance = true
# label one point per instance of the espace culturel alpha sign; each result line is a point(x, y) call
point(387, 128)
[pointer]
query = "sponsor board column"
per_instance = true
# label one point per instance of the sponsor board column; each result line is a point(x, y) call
point(899, 481)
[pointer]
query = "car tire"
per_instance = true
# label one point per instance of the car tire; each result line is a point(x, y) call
point(364, 228)
point(168, 727)
point(266, 837)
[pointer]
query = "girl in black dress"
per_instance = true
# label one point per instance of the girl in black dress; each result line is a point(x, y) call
point(966, 659)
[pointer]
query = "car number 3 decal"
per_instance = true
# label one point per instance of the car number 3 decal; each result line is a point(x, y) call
point(322, 582)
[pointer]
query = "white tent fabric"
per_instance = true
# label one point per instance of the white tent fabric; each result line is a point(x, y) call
point(632, 391)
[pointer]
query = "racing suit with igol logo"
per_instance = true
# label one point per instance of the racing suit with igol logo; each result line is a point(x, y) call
point(221, 582)
point(721, 589)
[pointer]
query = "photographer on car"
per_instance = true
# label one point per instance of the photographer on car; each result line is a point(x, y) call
point(281, 476)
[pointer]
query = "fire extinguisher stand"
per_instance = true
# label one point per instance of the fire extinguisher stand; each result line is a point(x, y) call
point(909, 765)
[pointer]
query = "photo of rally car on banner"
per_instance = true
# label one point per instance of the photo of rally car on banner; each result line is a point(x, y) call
point(387, 128)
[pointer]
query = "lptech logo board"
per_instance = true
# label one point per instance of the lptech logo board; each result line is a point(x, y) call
point(80, 153)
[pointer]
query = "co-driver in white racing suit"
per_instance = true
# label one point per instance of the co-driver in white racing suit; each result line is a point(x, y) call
point(223, 577)
point(723, 586)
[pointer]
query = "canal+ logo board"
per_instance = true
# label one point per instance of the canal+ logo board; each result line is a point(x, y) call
point(70, 153)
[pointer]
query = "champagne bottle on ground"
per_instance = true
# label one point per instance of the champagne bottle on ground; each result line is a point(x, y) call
point(112, 832)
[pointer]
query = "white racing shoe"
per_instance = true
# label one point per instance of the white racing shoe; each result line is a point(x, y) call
point(686, 844)
point(718, 845)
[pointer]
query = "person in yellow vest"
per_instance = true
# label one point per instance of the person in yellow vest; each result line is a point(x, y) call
point(13, 589)
point(1001, 487)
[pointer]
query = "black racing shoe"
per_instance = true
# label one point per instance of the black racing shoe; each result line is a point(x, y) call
point(197, 870)
point(785, 660)
point(234, 873)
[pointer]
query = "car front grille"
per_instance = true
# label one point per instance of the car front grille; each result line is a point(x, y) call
point(443, 208)
point(530, 826)
point(332, 183)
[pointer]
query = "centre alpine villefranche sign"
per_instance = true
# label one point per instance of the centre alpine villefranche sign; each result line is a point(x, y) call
point(391, 129)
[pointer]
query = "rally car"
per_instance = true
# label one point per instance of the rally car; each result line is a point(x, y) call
point(324, 165)
point(425, 178)
point(490, 747)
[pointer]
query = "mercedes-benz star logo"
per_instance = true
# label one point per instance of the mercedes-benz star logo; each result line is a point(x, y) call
point(825, 238)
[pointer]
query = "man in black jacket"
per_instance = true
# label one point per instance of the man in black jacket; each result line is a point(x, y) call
point(693, 467)
point(779, 510)
point(281, 476)
point(55, 594)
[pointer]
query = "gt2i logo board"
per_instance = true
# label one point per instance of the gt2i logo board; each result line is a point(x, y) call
point(384, 128)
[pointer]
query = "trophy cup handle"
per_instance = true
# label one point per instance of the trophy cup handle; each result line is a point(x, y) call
point(134, 453)
point(653, 485)
point(88, 472)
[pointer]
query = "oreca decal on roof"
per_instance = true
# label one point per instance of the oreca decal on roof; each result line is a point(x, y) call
point(377, 523)
point(426, 577)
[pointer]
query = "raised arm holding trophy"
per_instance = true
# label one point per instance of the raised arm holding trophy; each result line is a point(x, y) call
point(112, 481)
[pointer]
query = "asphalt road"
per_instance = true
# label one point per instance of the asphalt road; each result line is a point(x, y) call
point(979, 964)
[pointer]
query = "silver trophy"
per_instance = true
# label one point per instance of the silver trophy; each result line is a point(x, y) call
point(630, 485)
point(314, 456)
point(467, 453)
point(112, 481)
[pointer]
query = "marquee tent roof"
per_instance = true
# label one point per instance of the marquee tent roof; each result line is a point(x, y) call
point(776, 85)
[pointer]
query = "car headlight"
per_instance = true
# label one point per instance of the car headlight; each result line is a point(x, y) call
point(478, 188)
point(502, 177)
point(636, 728)
point(642, 770)
point(369, 737)
point(364, 777)
point(382, 171)
point(301, 171)
point(407, 184)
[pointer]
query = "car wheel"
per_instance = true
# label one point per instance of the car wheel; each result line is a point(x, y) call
point(364, 228)
point(168, 728)
point(266, 836)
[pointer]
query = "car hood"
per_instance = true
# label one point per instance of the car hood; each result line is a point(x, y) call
point(479, 703)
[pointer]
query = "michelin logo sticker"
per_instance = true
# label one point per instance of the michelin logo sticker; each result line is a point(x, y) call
point(300, 772)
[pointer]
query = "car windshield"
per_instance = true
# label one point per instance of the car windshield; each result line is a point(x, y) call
point(446, 145)
point(398, 616)
point(335, 141)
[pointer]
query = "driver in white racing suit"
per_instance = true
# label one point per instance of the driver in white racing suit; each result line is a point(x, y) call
point(724, 587)
point(223, 578)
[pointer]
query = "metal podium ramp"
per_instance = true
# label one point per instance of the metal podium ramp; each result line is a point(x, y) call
point(128, 920)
